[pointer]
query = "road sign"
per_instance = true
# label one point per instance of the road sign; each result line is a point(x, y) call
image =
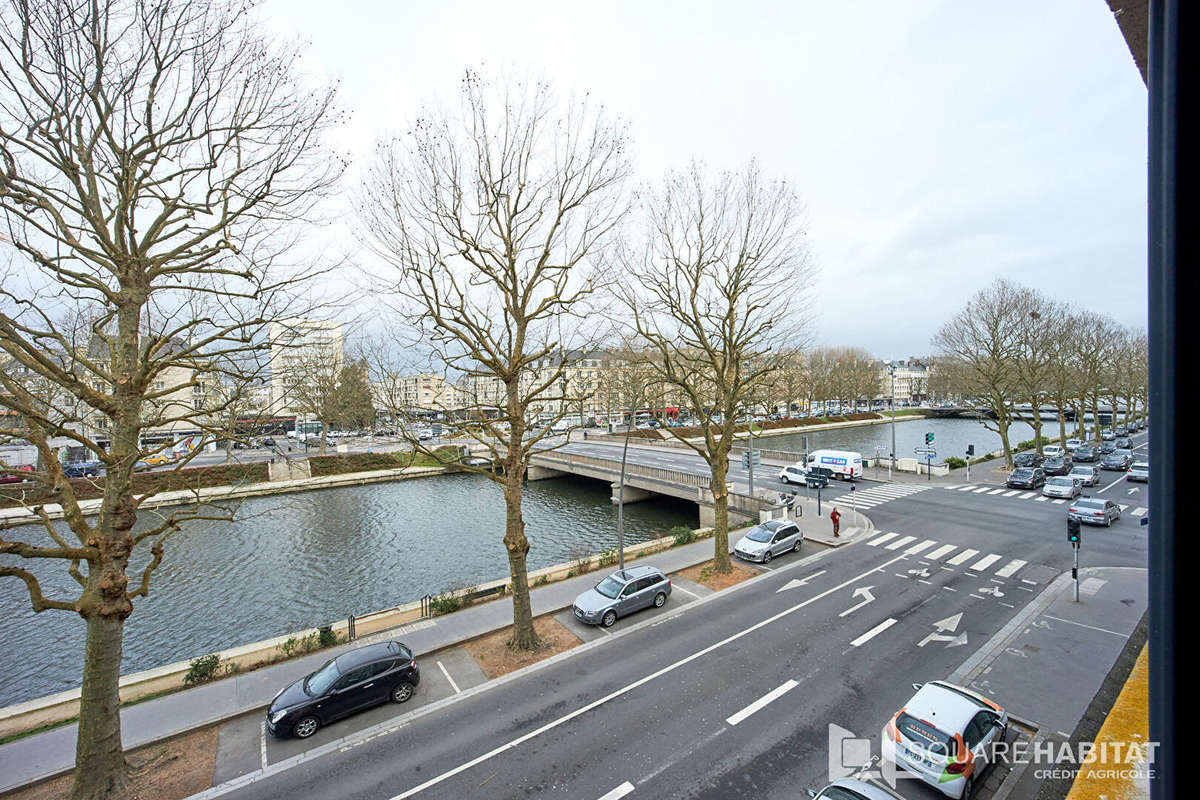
point(925, 451)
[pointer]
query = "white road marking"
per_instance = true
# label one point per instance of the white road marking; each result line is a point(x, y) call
point(1040, 499)
point(1080, 624)
point(983, 489)
point(882, 539)
point(996, 491)
point(1059, 501)
point(679, 588)
point(965, 555)
point(565, 718)
point(263, 745)
point(1028, 495)
point(619, 792)
point(1123, 507)
point(916, 548)
point(896, 545)
point(1011, 493)
point(761, 702)
point(985, 562)
point(1114, 483)
point(1010, 568)
point(967, 488)
point(941, 551)
point(878, 629)
point(1137, 512)
point(453, 685)
point(952, 486)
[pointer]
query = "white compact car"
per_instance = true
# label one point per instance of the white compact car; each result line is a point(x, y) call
point(792, 473)
point(945, 735)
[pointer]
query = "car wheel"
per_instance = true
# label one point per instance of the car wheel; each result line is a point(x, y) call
point(767, 557)
point(796, 546)
point(306, 727)
point(660, 599)
point(609, 619)
point(969, 789)
point(784, 479)
point(403, 692)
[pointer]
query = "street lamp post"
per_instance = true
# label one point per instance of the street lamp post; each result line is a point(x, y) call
point(892, 376)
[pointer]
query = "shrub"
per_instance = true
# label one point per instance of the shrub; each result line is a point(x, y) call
point(289, 647)
point(445, 604)
point(541, 581)
point(326, 637)
point(202, 669)
point(954, 462)
point(608, 557)
point(682, 534)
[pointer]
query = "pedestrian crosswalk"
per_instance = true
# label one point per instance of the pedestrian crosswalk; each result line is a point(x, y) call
point(869, 498)
point(1037, 497)
point(931, 550)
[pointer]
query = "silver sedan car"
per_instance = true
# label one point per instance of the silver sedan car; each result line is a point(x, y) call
point(1062, 486)
point(769, 539)
point(1086, 474)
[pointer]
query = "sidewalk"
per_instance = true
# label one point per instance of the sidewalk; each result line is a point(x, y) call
point(1049, 662)
point(49, 753)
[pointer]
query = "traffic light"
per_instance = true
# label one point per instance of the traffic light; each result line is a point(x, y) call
point(1073, 530)
point(928, 439)
point(970, 449)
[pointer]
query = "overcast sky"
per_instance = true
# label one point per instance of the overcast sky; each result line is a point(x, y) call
point(937, 145)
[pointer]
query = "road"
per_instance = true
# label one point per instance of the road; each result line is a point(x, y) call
point(730, 694)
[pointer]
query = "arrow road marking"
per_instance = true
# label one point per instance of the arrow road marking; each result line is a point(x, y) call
point(619, 792)
point(863, 592)
point(794, 582)
point(941, 627)
point(1132, 491)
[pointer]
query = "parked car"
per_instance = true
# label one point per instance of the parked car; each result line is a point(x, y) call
point(769, 539)
point(158, 459)
point(1140, 471)
point(1105, 448)
point(1121, 430)
point(266, 441)
point(1095, 511)
point(850, 789)
point(1085, 452)
point(353, 681)
point(1052, 451)
point(1027, 460)
point(1062, 486)
point(1087, 474)
point(1107, 436)
point(622, 593)
point(83, 469)
point(1072, 444)
point(1059, 465)
point(1116, 461)
point(20, 473)
point(425, 434)
point(944, 735)
point(1026, 478)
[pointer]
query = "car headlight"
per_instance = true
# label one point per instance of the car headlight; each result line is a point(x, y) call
point(276, 716)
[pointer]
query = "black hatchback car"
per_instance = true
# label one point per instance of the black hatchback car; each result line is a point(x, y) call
point(1057, 466)
point(352, 682)
point(1027, 460)
point(1116, 461)
point(1085, 453)
point(1026, 478)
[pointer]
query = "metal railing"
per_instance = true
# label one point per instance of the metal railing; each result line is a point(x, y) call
point(613, 465)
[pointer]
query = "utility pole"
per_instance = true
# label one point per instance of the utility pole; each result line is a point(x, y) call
point(892, 375)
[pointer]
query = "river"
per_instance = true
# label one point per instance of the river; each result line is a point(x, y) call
point(296, 561)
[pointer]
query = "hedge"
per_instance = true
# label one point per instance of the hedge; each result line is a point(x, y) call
point(365, 462)
point(143, 483)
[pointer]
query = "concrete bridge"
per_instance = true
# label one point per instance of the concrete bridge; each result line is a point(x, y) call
point(643, 481)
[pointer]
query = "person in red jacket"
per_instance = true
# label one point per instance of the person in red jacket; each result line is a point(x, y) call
point(835, 517)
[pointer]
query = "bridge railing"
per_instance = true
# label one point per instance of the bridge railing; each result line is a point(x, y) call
point(614, 465)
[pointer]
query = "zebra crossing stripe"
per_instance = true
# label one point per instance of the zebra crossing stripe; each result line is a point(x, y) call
point(996, 491)
point(967, 488)
point(896, 545)
point(882, 539)
point(941, 551)
point(984, 563)
point(983, 489)
point(1028, 495)
point(917, 548)
point(951, 486)
point(1014, 491)
point(1011, 567)
point(965, 555)
point(1041, 499)
point(1058, 502)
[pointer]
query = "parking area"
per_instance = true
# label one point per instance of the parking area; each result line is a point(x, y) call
point(683, 592)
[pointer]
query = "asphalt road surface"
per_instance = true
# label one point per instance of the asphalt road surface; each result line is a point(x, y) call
point(732, 694)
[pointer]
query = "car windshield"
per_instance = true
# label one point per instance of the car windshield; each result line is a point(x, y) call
point(760, 534)
point(610, 587)
point(923, 735)
point(320, 681)
point(1081, 471)
point(1022, 473)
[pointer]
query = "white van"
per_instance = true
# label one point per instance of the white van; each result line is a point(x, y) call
point(845, 464)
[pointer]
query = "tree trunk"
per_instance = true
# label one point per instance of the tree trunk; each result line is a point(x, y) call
point(100, 769)
point(1036, 423)
point(1002, 424)
point(720, 492)
point(524, 637)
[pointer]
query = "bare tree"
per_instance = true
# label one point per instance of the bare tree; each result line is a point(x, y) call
point(152, 154)
point(979, 345)
point(710, 295)
point(493, 222)
point(1040, 319)
point(312, 377)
